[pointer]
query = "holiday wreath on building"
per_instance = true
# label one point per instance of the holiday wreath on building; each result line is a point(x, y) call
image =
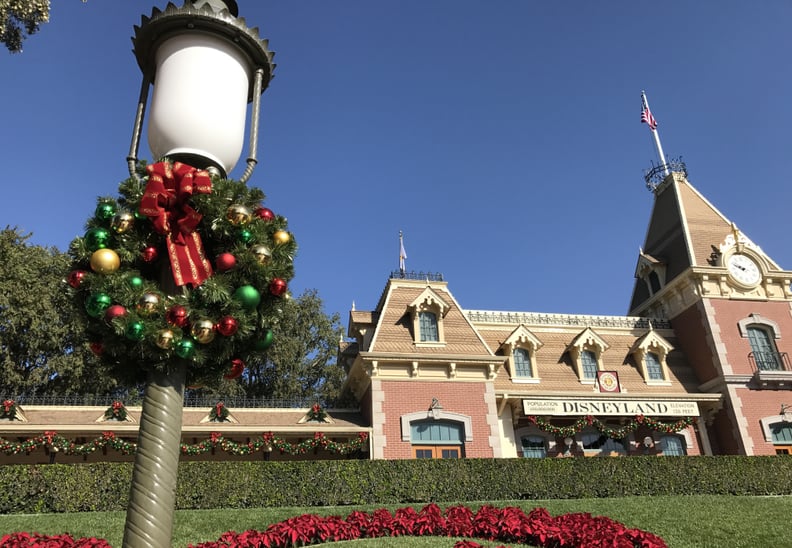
point(181, 267)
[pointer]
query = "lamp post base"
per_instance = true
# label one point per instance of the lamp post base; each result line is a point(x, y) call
point(152, 497)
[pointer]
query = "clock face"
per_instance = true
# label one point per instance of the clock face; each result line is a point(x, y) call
point(744, 270)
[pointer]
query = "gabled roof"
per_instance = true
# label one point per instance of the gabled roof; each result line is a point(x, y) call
point(522, 335)
point(588, 337)
point(652, 340)
point(684, 230)
point(393, 333)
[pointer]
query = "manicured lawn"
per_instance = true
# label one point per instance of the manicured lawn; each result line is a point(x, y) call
point(694, 521)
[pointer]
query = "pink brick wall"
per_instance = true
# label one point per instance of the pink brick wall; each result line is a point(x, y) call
point(402, 397)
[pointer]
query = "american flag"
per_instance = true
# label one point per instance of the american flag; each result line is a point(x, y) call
point(647, 118)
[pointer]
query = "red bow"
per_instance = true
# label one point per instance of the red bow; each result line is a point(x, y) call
point(165, 202)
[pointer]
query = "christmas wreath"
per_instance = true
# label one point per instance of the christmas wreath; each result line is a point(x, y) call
point(116, 412)
point(181, 268)
point(316, 414)
point(9, 410)
point(218, 413)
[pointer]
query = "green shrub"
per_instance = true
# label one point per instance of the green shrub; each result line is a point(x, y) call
point(208, 485)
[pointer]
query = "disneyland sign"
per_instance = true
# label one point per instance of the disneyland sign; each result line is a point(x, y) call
point(610, 407)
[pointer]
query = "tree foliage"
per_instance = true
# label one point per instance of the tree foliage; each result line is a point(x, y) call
point(301, 364)
point(42, 345)
point(19, 19)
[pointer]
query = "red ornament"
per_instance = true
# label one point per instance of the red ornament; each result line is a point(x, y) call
point(149, 254)
point(76, 278)
point(227, 326)
point(265, 214)
point(97, 348)
point(225, 262)
point(177, 315)
point(237, 367)
point(114, 312)
point(277, 287)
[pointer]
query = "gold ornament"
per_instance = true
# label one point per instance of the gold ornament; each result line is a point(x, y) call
point(203, 331)
point(281, 237)
point(262, 254)
point(239, 214)
point(122, 222)
point(148, 304)
point(105, 261)
point(165, 339)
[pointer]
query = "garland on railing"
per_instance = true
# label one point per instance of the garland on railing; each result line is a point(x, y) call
point(610, 431)
point(8, 410)
point(116, 412)
point(266, 442)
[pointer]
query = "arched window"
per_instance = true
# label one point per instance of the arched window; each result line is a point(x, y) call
point(654, 369)
point(763, 349)
point(588, 361)
point(522, 363)
point(533, 447)
point(598, 444)
point(427, 322)
point(437, 439)
point(672, 446)
point(654, 282)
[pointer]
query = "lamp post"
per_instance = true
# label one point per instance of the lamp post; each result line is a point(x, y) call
point(205, 65)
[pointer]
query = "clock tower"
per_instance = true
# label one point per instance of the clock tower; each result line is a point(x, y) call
point(730, 306)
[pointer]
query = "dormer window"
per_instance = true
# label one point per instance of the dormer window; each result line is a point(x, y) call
point(650, 352)
point(586, 353)
point(522, 363)
point(654, 369)
point(427, 326)
point(427, 313)
point(651, 271)
point(520, 347)
point(588, 364)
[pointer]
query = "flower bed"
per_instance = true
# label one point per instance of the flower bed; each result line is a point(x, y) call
point(507, 524)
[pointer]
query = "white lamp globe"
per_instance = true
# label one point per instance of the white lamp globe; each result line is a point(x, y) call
point(199, 104)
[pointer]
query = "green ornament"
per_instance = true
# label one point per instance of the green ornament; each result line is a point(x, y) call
point(97, 238)
point(265, 341)
point(134, 331)
point(245, 236)
point(135, 282)
point(185, 349)
point(248, 296)
point(105, 211)
point(97, 304)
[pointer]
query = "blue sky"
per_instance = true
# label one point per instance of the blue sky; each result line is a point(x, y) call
point(502, 137)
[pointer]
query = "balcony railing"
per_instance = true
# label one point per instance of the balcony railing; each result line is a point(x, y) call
point(412, 275)
point(657, 174)
point(133, 398)
point(769, 361)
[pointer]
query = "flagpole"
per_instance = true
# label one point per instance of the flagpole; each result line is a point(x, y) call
point(656, 135)
point(402, 253)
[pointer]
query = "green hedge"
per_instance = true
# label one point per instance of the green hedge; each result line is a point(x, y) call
point(105, 486)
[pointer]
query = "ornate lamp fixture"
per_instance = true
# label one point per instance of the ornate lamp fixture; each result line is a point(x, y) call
point(205, 65)
point(435, 409)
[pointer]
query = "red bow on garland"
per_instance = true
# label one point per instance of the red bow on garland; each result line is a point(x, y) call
point(165, 202)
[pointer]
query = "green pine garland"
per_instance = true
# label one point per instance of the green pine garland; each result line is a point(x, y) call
point(617, 433)
point(130, 317)
point(108, 440)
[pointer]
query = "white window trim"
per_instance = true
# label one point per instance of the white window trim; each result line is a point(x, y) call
point(524, 339)
point(587, 340)
point(761, 321)
point(428, 301)
point(655, 344)
point(408, 418)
